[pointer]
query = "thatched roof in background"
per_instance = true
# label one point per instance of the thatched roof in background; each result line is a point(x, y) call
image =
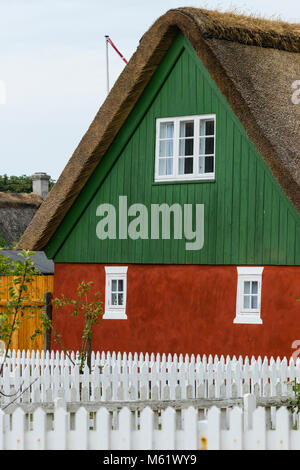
point(20, 200)
point(16, 212)
point(253, 62)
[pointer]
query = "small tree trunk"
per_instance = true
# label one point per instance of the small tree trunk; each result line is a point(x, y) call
point(48, 313)
point(89, 352)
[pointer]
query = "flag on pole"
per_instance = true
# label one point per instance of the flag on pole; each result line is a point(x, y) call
point(109, 41)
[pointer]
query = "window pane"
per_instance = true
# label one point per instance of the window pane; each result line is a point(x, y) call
point(201, 165)
point(114, 286)
point(209, 146)
point(162, 166)
point(186, 166)
point(202, 146)
point(254, 287)
point(246, 301)
point(120, 299)
point(202, 127)
point(254, 301)
point(166, 130)
point(247, 287)
point(207, 127)
point(169, 167)
point(165, 166)
point(114, 299)
point(181, 166)
point(209, 164)
point(120, 285)
point(166, 148)
point(186, 129)
point(186, 147)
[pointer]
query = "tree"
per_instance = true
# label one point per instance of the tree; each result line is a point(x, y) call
point(5, 266)
point(3, 242)
point(89, 307)
point(18, 307)
point(17, 304)
point(18, 184)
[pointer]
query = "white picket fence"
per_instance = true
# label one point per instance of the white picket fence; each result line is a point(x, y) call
point(42, 377)
point(236, 428)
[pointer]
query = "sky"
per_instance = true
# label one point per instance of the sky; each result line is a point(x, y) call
point(53, 68)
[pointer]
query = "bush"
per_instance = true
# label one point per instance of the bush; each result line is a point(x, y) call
point(14, 268)
point(18, 184)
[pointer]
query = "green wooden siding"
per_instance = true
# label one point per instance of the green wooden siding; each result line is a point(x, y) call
point(248, 218)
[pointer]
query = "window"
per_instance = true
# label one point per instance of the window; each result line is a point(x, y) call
point(115, 292)
point(185, 148)
point(248, 300)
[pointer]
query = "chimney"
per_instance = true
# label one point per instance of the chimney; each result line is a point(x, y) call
point(40, 184)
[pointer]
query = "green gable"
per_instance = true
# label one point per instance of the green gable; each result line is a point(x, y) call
point(248, 218)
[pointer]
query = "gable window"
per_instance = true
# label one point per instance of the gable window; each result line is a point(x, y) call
point(115, 292)
point(185, 148)
point(248, 299)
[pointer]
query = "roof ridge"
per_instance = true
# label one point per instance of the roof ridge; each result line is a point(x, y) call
point(232, 27)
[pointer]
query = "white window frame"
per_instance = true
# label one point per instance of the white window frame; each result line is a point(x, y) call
point(115, 312)
point(250, 315)
point(176, 176)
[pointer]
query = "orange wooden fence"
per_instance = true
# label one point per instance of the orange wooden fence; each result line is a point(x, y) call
point(21, 337)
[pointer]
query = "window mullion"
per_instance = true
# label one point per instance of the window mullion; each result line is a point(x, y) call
point(196, 145)
point(157, 149)
point(176, 147)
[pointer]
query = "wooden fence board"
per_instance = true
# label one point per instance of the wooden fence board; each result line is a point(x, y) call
point(21, 338)
point(168, 429)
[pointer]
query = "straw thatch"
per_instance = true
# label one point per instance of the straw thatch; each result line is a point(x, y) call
point(254, 63)
point(16, 213)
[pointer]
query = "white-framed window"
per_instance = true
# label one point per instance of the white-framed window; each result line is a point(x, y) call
point(248, 298)
point(115, 292)
point(185, 148)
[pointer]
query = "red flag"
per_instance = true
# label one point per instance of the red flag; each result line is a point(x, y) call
point(115, 48)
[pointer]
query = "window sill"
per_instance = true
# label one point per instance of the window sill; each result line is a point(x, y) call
point(114, 316)
point(160, 182)
point(248, 319)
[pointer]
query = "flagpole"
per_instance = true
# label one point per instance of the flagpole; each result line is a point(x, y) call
point(107, 64)
point(109, 41)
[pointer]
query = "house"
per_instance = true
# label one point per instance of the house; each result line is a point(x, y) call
point(18, 209)
point(182, 201)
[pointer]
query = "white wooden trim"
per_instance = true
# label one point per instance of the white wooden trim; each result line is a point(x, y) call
point(115, 312)
point(195, 176)
point(248, 316)
point(116, 269)
point(249, 270)
point(253, 319)
point(109, 315)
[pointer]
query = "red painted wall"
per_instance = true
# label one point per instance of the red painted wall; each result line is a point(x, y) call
point(186, 309)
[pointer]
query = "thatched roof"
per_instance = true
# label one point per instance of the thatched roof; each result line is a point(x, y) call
point(16, 212)
point(253, 62)
point(15, 200)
